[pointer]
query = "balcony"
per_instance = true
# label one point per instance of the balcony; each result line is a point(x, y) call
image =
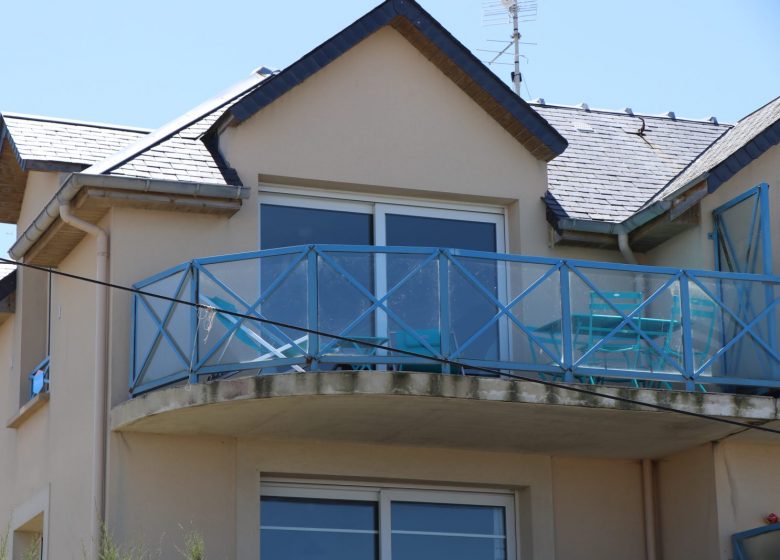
point(491, 314)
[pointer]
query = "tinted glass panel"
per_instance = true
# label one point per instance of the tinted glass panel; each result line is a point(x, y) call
point(305, 529)
point(285, 226)
point(448, 532)
point(420, 231)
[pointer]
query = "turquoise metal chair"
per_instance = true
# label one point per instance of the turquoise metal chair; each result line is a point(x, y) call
point(704, 316)
point(406, 341)
point(602, 310)
point(756, 544)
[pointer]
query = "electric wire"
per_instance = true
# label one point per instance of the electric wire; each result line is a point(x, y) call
point(444, 361)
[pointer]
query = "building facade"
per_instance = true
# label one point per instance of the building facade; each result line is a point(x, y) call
point(520, 326)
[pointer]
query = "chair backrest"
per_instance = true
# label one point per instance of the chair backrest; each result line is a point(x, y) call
point(613, 303)
point(412, 343)
point(704, 314)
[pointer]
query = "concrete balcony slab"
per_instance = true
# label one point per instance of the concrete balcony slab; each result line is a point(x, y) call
point(442, 411)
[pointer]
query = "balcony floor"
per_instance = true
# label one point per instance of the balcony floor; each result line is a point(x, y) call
point(442, 411)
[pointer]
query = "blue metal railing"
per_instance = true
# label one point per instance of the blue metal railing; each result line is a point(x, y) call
point(39, 378)
point(558, 319)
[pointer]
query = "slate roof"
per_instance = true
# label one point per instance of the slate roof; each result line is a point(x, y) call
point(176, 151)
point(747, 140)
point(609, 171)
point(43, 141)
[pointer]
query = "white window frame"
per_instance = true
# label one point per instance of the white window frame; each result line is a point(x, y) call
point(385, 495)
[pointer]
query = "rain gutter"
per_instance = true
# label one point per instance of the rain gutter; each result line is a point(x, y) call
point(76, 181)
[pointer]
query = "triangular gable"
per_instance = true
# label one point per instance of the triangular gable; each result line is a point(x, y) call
point(442, 49)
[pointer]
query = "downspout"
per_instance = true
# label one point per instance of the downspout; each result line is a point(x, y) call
point(99, 394)
point(625, 249)
point(648, 497)
point(648, 494)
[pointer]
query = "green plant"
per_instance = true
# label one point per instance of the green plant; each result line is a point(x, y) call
point(33, 551)
point(194, 546)
point(4, 544)
point(109, 550)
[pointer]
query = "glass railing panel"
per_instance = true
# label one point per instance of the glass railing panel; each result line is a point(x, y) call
point(475, 300)
point(535, 326)
point(272, 287)
point(346, 292)
point(165, 335)
point(625, 320)
point(735, 322)
point(412, 319)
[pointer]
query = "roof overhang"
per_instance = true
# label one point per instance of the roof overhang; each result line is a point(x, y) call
point(48, 239)
point(646, 229)
point(14, 170)
point(441, 48)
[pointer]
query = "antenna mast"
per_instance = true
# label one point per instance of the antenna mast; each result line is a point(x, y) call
point(516, 76)
point(519, 11)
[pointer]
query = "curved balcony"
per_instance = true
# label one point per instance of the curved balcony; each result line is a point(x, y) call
point(568, 320)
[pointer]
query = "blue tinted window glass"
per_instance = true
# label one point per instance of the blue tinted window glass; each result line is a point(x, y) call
point(421, 231)
point(286, 226)
point(305, 529)
point(448, 532)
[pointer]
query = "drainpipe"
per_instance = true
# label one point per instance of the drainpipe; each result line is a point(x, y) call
point(648, 497)
point(625, 249)
point(101, 371)
point(640, 285)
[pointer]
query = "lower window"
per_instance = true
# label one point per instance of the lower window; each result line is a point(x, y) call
point(306, 522)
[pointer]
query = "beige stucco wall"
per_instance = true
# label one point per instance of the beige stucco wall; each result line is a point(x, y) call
point(598, 508)
point(693, 248)
point(50, 452)
point(382, 119)
point(9, 402)
point(687, 505)
point(748, 485)
point(567, 508)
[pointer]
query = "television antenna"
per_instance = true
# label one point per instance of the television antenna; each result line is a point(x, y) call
point(498, 12)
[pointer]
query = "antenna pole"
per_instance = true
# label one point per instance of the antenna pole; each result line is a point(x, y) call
point(516, 78)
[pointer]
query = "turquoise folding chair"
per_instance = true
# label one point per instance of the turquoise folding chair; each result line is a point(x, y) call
point(704, 316)
point(406, 341)
point(626, 343)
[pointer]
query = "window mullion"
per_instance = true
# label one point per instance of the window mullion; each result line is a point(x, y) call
point(385, 527)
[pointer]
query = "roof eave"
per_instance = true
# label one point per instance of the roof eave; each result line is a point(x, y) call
point(745, 155)
point(638, 219)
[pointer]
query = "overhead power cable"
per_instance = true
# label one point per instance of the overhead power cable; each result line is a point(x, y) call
point(445, 361)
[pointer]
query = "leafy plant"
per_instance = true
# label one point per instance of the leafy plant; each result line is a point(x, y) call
point(109, 550)
point(194, 546)
point(33, 551)
point(4, 544)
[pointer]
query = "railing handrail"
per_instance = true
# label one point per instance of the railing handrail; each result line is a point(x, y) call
point(509, 257)
point(43, 366)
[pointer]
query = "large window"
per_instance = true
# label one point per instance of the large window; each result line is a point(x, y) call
point(308, 522)
point(289, 219)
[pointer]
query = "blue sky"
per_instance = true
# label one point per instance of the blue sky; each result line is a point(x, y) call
point(146, 61)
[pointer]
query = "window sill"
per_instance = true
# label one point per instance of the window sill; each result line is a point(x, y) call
point(27, 410)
